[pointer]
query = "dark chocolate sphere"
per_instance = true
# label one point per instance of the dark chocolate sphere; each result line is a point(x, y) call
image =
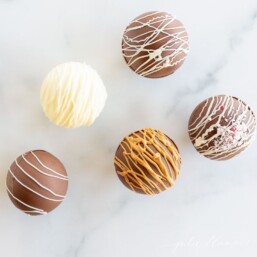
point(37, 182)
point(147, 161)
point(155, 44)
point(221, 127)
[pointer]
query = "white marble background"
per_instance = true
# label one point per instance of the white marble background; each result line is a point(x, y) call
point(212, 209)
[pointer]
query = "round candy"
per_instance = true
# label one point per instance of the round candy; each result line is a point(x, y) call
point(73, 95)
point(155, 44)
point(37, 182)
point(147, 161)
point(221, 127)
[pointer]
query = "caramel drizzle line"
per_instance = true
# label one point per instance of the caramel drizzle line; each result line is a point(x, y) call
point(144, 156)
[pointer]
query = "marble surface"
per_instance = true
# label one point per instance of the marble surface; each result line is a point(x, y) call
point(211, 211)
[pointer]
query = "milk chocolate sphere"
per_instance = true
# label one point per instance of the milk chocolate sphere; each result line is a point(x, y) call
point(147, 161)
point(221, 127)
point(37, 182)
point(155, 44)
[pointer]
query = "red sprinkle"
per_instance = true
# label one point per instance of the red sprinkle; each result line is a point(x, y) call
point(221, 107)
point(233, 129)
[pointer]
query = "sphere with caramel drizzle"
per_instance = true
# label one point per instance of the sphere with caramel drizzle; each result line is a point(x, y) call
point(147, 161)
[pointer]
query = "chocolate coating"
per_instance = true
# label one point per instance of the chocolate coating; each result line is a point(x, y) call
point(155, 44)
point(37, 182)
point(221, 127)
point(147, 161)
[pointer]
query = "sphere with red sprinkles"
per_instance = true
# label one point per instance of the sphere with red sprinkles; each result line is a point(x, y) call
point(221, 127)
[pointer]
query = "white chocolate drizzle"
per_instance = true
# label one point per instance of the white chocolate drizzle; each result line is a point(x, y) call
point(158, 28)
point(57, 175)
point(37, 182)
point(73, 95)
point(33, 191)
point(231, 133)
point(34, 209)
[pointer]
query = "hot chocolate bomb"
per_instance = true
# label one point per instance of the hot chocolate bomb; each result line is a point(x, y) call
point(37, 182)
point(73, 95)
point(221, 127)
point(155, 44)
point(147, 161)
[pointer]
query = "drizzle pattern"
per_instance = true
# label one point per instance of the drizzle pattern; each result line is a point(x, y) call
point(147, 161)
point(154, 41)
point(73, 95)
point(222, 127)
point(41, 168)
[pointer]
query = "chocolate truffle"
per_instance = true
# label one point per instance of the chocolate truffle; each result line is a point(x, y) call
point(73, 95)
point(221, 127)
point(147, 161)
point(37, 182)
point(155, 44)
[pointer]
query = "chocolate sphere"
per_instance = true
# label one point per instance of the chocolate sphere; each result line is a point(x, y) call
point(221, 127)
point(37, 182)
point(155, 44)
point(73, 95)
point(147, 161)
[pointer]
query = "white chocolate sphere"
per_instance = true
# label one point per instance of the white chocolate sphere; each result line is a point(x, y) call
point(73, 95)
